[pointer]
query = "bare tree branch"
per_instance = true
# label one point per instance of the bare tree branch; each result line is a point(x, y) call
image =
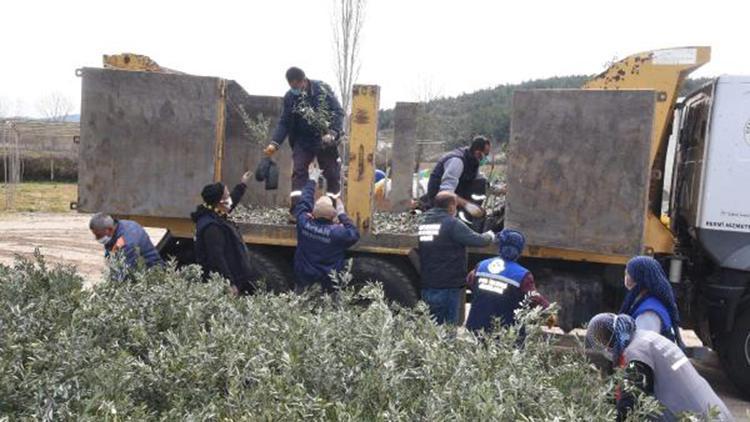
point(347, 20)
point(55, 107)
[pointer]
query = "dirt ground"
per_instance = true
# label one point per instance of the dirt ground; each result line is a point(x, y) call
point(65, 238)
point(61, 238)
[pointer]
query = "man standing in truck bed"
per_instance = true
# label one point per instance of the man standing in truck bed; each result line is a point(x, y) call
point(458, 172)
point(313, 120)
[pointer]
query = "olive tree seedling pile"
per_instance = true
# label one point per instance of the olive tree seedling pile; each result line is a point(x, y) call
point(384, 222)
point(254, 214)
point(165, 345)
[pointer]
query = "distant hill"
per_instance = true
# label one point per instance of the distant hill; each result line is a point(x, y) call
point(73, 118)
point(453, 120)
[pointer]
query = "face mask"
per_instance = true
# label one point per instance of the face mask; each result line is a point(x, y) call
point(104, 239)
point(295, 91)
point(227, 203)
point(484, 160)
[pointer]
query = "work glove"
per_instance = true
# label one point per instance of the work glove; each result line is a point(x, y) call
point(552, 321)
point(246, 177)
point(271, 149)
point(329, 139)
point(474, 210)
point(340, 207)
point(314, 173)
point(490, 235)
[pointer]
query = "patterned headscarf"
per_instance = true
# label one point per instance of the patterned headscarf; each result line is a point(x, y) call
point(608, 331)
point(511, 244)
point(648, 275)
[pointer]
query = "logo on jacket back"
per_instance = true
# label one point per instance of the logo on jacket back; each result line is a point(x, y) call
point(497, 285)
point(496, 266)
point(427, 232)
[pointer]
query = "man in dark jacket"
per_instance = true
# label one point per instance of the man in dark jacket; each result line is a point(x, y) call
point(321, 242)
point(126, 237)
point(313, 120)
point(458, 172)
point(443, 240)
point(219, 247)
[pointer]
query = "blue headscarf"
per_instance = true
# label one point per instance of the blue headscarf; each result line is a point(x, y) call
point(648, 275)
point(511, 244)
point(624, 327)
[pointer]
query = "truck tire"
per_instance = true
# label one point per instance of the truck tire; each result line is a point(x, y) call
point(736, 354)
point(397, 285)
point(274, 272)
point(179, 248)
point(579, 296)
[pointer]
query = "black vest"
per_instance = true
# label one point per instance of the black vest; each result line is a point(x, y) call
point(471, 169)
point(234, 248)
point(442, 261)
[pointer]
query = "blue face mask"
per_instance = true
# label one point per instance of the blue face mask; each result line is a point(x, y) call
point(295, 91)
point(484, 161)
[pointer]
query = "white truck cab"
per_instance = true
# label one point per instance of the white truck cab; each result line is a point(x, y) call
point(710, 216)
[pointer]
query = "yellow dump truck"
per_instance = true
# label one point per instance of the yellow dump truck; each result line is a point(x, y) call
point(585, 182)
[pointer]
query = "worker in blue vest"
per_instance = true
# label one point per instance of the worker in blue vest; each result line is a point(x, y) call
point(500, 285)
point(125, 237)
point(443, 240)
point(650, 299)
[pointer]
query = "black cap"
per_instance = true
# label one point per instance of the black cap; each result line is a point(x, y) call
point(213, 193)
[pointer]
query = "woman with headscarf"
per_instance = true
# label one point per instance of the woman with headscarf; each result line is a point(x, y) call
point(650, 300)
point(500, 285)
point(654, 365)
point(219, 247)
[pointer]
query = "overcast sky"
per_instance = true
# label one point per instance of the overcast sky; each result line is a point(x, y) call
point(409, 46)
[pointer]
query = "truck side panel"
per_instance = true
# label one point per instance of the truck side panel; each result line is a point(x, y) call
point(578, 171)
point(243, 150)
point(147, 141)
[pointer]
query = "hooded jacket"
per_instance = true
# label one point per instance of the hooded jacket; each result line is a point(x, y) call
point(219, 247)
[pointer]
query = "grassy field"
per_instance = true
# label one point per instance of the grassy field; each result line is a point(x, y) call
point(39, 197)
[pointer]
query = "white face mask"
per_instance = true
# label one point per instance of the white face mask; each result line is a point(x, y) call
point(227, 203)
point(104, 239)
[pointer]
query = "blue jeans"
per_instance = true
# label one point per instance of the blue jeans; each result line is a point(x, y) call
point(444, 304)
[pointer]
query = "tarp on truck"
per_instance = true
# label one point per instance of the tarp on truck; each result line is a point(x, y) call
point(578, 168)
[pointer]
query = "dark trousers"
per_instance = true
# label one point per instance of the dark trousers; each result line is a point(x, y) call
point(328, 160)
point(445, 304)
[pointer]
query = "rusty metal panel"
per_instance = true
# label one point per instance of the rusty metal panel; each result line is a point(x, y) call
point(243, 147)
point(361, 160)
point(404, 155)
point(579, 168)
point(147, 141)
